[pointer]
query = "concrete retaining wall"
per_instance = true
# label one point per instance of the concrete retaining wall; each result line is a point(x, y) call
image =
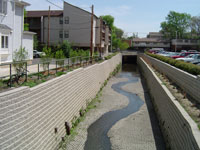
point(180, 131)
point(29, 116)
point(189, 83)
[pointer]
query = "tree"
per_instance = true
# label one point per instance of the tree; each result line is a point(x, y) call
point(35, 42)
point(66, 47)
point(109, 20)
point(175, 22)
point(119, 32)
point(19, 57)
point(123, 45)
point(26, 25)
point(195, 25)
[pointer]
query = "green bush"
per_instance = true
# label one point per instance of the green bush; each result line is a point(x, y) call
point(73, 54)
point(188, 67)
point(60, 55)
point(110, 56)
point(46, 59)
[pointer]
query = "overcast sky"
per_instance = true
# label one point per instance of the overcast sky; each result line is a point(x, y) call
point(140, 16)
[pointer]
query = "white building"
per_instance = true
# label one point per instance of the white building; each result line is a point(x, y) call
point(12, 34)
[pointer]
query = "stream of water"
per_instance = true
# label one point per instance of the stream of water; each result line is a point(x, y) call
point(97, 133)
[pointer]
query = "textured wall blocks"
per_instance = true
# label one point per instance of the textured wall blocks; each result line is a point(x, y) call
point(28, 116)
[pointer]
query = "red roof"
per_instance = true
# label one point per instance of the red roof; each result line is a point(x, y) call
point(44, 13)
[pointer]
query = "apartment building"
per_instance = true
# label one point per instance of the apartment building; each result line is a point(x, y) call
point(155, 35)
point(150, 43)
point(153, 40)
point(185, 44)
point(72, 24)
point(12, 32)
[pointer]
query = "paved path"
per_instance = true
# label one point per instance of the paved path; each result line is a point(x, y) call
point(138, 131)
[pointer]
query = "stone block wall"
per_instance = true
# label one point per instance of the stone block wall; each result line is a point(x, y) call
point(189, 83)
point(180, 131)
point(29, 116)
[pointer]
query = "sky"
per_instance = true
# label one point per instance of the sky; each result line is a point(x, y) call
point(132, 16)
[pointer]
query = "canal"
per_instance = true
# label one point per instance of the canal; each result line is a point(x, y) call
point(97, 138)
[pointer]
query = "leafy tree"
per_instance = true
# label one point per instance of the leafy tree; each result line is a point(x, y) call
point(119, 32)
point(175, 22)
point(35, 42)
point(195, 25)
point(19, 56)
point(73, 55)
point(60, 55)
point(26, 25)
point(109, 20)
point(46, 59)
point(123, 45)
point(66, 47)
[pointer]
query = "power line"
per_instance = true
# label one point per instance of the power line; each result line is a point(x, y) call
point(70, 12)
point(54, 4)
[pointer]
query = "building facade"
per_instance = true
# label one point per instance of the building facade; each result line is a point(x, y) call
point(185, 44)
point(12, 32)
point(153, 40)
point(72, 24)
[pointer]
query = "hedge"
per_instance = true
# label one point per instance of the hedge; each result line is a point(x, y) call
point(188, 67)
point(111, 55)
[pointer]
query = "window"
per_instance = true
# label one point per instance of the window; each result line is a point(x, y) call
point(61, 34)
point(4, 42)
point(3, 7)
point(66, 20)
point(66, 34)
point(61, 20)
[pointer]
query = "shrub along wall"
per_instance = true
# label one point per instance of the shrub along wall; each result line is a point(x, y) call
point(180, 131)
point(188, 67)
point(29, 116)
point(187, 82)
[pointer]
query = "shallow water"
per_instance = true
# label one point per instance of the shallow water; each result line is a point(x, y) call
point(97, 138)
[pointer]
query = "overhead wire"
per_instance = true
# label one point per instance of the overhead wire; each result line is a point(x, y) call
point(54, 4)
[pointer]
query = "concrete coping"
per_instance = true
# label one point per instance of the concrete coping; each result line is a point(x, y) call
point(198, 77)
point(173, 67)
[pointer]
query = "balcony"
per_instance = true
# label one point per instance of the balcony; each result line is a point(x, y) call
point(185, 42)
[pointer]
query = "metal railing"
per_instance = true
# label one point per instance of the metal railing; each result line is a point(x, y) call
point(8, 70)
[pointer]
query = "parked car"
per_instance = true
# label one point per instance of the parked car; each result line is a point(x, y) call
point(37, 54)
point(155, 51)
point(190, 58)
point(192, 51)
point(170, 54)
point(183, 51)
point(184, 54)
point(196, 61)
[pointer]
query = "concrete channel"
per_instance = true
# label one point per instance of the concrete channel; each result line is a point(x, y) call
point(144, 133)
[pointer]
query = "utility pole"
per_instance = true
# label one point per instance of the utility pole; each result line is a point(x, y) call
point(49, 28)
point(100, 35)
point(132, 40)
point(176, 42)
point(91, 40)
